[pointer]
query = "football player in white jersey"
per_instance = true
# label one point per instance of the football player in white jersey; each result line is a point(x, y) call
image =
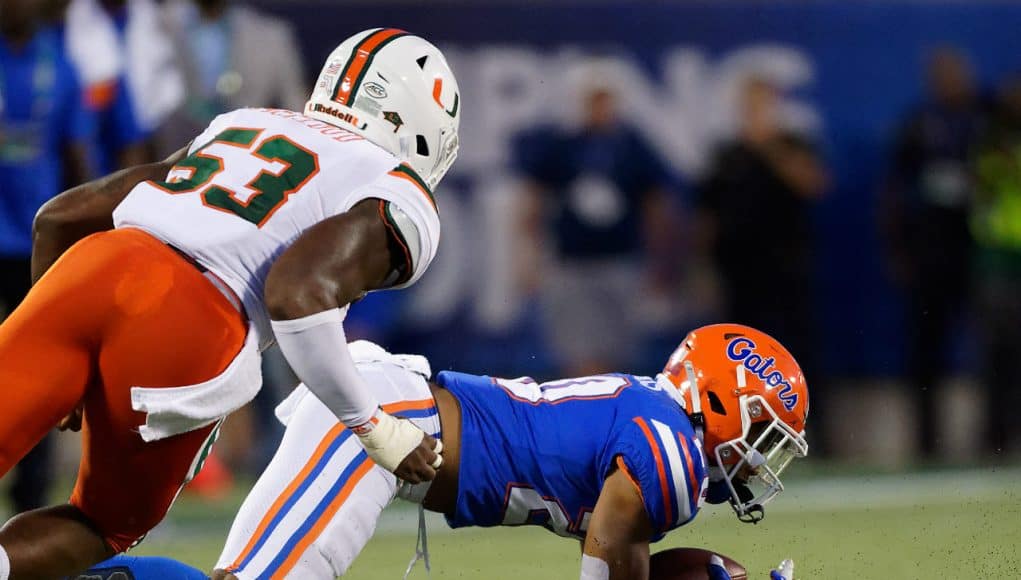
point(157, 287)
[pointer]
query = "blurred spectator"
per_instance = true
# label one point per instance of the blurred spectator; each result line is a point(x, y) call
point(232, 56)
point(44, 129)
point(126, 58)
point(598, 194)
point(755, 203)
point(91, 46)
point(926, 213)
point(996, 224)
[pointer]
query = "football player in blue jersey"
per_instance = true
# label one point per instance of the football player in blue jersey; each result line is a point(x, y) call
point(614, 460)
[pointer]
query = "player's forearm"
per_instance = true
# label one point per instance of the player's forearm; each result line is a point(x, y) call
point(85, 210)
point(316, 348)
point(307, 292)
point(611, 562)
point(612, 552)
point(618, 532)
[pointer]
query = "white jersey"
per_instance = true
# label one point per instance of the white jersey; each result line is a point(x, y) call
point(256, 179)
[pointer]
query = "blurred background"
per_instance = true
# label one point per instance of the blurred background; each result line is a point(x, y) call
point(843, 175)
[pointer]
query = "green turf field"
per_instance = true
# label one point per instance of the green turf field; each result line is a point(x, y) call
point(933, 525)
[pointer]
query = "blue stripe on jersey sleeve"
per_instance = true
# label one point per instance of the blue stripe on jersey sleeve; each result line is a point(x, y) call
point(295, 496)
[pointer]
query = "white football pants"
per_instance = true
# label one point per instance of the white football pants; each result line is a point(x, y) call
point(316, 505)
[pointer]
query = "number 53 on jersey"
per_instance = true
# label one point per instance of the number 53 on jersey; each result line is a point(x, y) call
point(279, 168)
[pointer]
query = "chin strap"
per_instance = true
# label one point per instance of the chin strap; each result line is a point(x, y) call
point(752, 514)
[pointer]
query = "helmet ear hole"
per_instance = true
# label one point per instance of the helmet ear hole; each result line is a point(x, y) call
point(422, 146)
point(715, 404)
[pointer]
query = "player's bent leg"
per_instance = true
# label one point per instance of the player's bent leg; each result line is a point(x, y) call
point(319, 474)
point(316, 505)
point(46, 346)
point(126, 488)
point(138, 315)
point(46, 354)
point(347, 531)
point(171, 327)
point(48, 542)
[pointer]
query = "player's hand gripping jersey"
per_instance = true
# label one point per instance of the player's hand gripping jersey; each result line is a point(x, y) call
point(256, 179)
point(538, 454)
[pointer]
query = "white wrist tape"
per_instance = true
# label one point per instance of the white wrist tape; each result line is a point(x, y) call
point(316, 348)
point(388, 440)
point(786, 569)
point(593, 568)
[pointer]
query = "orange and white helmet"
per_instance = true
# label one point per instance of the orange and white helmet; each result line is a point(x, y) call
point(748, 396)
point(396, 90)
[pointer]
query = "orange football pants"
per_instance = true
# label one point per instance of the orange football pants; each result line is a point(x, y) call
point(117, 310)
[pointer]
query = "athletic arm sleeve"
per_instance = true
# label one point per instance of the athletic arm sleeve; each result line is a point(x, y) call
point(316, 348)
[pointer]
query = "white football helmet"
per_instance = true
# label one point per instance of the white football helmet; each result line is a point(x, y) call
point(396, 90)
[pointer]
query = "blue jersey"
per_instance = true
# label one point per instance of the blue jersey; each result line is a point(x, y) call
point(538, 453)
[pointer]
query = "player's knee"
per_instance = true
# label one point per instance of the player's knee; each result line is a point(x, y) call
point(121, 530)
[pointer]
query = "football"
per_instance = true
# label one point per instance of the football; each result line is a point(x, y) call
point(689, 564)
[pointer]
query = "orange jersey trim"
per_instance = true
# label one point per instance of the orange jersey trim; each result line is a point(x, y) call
point(384, 215)
point(403, 171)
point(694, 485)
point(419, 405)
point(660, 467)
point(627, 473)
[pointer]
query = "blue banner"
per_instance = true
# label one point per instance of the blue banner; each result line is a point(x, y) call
point(851, 71)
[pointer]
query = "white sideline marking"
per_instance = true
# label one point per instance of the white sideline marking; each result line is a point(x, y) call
point(898, 490)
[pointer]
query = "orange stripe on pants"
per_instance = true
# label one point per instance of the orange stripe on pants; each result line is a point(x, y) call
point(119, 309)
point(324, 519)
point(288, 491)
